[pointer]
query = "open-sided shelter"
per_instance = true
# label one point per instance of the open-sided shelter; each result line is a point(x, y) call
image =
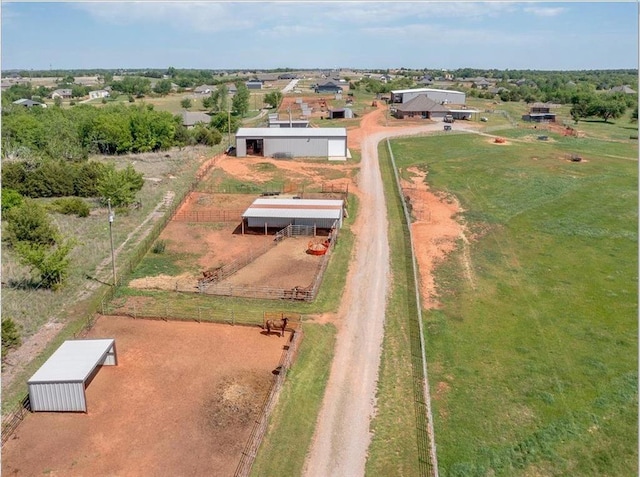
point(279, 213)
point(59, 384)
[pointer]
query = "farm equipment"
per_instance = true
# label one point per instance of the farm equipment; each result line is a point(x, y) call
point(447, 127)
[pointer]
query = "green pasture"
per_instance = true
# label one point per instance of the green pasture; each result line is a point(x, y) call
point(533, 360)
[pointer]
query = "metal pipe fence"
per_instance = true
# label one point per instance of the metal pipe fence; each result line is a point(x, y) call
point(260, 427)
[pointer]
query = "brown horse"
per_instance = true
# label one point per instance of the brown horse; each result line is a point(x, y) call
point(277, 325)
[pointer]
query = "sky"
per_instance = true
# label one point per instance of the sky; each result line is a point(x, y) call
point(323, 34)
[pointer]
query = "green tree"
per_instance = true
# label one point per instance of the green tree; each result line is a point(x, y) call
point(273, 99)
point(52, 263)
point(119, 186)
point(30, 223)
point(240, 102)
point(162, 87)
point(221, 121)
point(608, 108)
point(10, 335)
point(186, 103)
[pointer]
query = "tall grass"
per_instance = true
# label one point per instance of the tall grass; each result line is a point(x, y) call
point(293, 421)
point(534, 365)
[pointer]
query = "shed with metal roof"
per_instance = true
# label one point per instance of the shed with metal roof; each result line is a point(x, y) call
point(442, 96)
point(60, 383)
point(278, 213)
point(291, 142)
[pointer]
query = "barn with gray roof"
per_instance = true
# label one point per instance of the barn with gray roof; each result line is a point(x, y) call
point(292, 142)
point(278, 213)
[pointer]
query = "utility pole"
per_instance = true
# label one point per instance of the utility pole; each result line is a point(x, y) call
point(113, 259)
point(229, 127)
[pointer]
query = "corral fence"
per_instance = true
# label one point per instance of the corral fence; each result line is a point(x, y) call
point(212, 284)
point(217, 215)
point(260, 427)
point(13, 418)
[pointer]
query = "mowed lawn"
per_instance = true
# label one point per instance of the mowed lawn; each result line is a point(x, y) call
point(533, 362)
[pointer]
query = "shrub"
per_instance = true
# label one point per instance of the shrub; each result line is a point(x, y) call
point(29, 222)
point(10, 198)
point(52, 263)
point(159, 246)
point(10, 335)
point(71, 206)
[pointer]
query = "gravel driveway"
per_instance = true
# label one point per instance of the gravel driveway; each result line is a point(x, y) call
point(342, 434)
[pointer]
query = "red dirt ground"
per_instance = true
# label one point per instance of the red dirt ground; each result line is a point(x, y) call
point(182, 401)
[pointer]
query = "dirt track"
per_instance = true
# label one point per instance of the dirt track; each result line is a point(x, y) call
point(342, 435)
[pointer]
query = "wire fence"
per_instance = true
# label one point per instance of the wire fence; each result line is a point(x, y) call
point(260, 427)
point(427, 456)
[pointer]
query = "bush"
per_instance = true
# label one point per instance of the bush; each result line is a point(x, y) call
point(71, 206)
point(159, 246)
point(10, 335)
point(52, 263)
point(29, 222)
point(10, 198)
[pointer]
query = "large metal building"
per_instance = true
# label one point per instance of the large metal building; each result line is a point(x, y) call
point(59, 384)
point(278, 213)
point(291, 142)
point(441, 96)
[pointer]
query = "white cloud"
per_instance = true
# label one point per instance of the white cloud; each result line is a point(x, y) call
point(546, 11)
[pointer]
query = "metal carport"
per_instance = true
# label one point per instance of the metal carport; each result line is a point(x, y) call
point(59, 384)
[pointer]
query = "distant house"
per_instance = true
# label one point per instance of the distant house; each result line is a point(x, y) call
point(288, 76)
point(204, 89)
point(64, 93)
point(254, 84)
point(28, 103)
point(328, 87)
point(426, 80)
point(540, 113)
point(622, 89)
point(497, 90)
point(99, 93)
point(190, 119)
point(420, 106)
point(482, 83)
point(232, 89)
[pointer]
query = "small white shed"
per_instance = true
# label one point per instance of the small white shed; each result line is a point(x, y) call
point(59, 384)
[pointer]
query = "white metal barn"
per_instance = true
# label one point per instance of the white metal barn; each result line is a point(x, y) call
point(59, 384)
point(272, 212)
point(292, 142)
point(441, 96)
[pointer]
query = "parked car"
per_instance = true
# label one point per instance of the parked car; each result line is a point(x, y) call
point(448, 118)
point(484, 119)
point(230, 151)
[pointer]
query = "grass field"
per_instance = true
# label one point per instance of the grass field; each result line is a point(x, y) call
point(31, 308)
point(536, 358)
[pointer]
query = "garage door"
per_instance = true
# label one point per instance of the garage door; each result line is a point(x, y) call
point(336, 147)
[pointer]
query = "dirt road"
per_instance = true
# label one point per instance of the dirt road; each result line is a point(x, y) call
point(342, 434)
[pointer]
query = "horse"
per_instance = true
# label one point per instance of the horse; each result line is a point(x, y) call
point(277, 325)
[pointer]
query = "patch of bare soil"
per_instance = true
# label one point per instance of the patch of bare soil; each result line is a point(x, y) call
point(181, 401)
point(435, 230)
